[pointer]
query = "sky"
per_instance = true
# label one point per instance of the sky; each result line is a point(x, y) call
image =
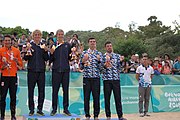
point(85, 15)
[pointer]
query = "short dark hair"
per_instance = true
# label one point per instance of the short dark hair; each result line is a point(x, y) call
point(144, 55)
point(90, 39)
point(167, 55)
point(9, 36)
point(15, 34)
point(52, 33)
point(108, 42)
point(75, 35)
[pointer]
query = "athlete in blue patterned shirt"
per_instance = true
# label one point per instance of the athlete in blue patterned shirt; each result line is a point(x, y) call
point(111, 80)
point(144, 74)
point(90, 62)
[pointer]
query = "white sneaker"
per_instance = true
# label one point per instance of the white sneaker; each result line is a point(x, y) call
point(141, 115)
point(146, 114)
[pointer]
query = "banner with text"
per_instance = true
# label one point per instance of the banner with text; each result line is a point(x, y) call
point(166, 98)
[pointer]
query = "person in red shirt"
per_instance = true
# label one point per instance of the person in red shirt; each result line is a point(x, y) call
point(156, 66)
point(166, 69)
point(10, 61)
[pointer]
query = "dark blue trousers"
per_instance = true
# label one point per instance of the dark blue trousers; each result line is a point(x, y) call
point(33, 78)
point(59, 78)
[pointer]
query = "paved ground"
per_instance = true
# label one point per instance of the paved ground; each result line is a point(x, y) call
point(154, 116)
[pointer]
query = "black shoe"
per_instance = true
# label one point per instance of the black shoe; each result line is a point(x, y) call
point(53, 113)
point(40, 113)
point(108, 118)
point(87, 118)
point(122, 118)
point(2, 118)
point(13, 118)
point(66, 112)
point(31, 113)
point(96, 118)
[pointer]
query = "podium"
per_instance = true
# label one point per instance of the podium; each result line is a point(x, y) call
point(56, 117)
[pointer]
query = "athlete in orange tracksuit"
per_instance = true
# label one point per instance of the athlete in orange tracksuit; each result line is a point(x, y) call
point(10, 60)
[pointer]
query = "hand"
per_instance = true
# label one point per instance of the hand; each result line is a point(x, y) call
point(6, 65)
point(28, 46)
point(108, 64)
point(85, 58)
point(45, 48)
point(52, 50)
point(98, 57)
point(73, 49)
point(16, 60)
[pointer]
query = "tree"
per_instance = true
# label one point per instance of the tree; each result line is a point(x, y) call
point(158, 46)
point(129, 47)
point(132, 27)
point(177, 27)
point(154, 29)
point(45, 34)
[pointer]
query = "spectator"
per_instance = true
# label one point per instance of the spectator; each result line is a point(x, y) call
point(176, 67)
point(14, 42)
point(150, 62)
point(160, 60)
point(167, 59)
point(137, 58)
point(74, 41)
point(22, 41)
point(76, 51)
point(1, 41)
point(123, 64)
point(74, 63)
point(132, 64)
point(166, 69)
point(157, 67)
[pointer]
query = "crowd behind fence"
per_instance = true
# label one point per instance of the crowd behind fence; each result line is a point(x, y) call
point(161, 64)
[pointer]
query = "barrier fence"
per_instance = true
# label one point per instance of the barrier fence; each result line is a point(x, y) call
point(165, 94)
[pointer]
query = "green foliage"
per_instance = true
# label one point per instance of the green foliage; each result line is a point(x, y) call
point(155, 38)
point(130, 46)
point(154, 29)
point(45, 34)
point(17, 30)
point(158, 46)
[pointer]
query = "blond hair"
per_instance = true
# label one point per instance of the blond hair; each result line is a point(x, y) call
point(59, 30)
point(36, 31)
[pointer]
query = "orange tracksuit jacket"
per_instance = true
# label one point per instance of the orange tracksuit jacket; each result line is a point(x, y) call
point(8, 53)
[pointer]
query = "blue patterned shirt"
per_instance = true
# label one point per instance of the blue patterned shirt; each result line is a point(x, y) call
point(113, 72)
point(93, 65)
